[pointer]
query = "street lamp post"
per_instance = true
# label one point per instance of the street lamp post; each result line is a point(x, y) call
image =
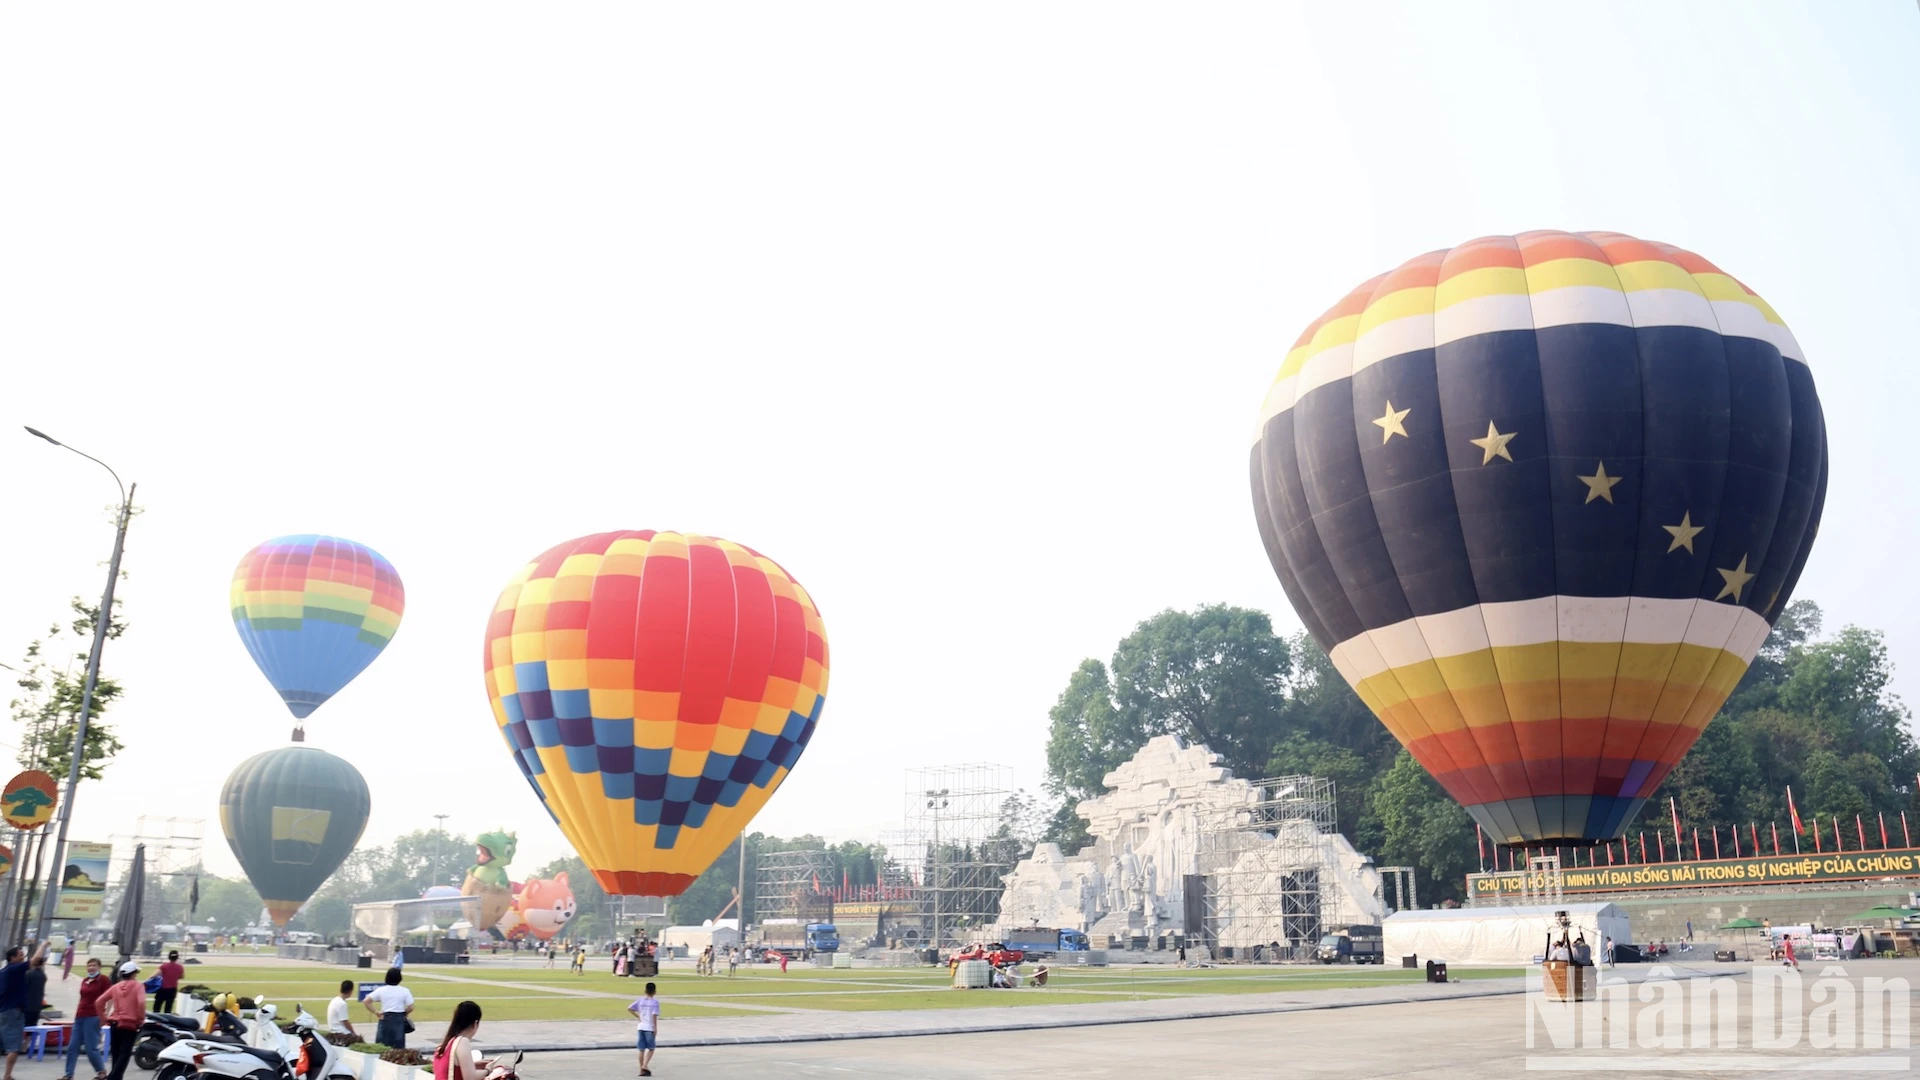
point(439, 842)
point(100, 624)
point(936, 802)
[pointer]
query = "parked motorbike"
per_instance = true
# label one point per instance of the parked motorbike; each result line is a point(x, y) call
point(269, 1053)
point(164, 1029)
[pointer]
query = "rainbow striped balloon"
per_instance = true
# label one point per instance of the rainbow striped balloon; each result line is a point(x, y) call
point(314, 611)
point(655, 688)
point(1541, 498)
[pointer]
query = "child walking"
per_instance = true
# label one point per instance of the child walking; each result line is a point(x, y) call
point(646, 1010)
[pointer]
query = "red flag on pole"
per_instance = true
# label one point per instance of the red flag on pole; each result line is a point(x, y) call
point(1480, 841)
point(1819, 845)
point(1643, 847)
point(1609, 853)
point(1736, 842)
point(1696, 843)
point(1904, 834)
point(1661, 839)
point(1716, 840)
point(1776, 837)
point(1794, 812)
point(1883, 831)
point(1756, 837)
point(1860, 830)
point(1838, 846)
point(1675, 807)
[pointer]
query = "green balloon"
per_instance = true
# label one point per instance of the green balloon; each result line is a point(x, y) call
point(292, 816)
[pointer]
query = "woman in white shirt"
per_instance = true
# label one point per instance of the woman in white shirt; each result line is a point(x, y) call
point(457, 1047)
point(392, 1003)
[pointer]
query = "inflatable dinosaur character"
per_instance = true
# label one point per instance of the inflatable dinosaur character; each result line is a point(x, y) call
point(487, 877)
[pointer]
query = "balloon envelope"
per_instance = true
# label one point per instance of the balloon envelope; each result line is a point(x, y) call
point(291, 816)
point(314, 611)
point(655, 688)
point(1540, 498)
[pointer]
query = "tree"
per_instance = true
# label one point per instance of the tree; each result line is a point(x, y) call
point(1088, 736)
point(52, 682)
point(226, 904)
point(1421, 826)
point(1216, 675)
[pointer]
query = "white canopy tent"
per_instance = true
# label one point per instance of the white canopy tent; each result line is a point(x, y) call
point(1498, 935)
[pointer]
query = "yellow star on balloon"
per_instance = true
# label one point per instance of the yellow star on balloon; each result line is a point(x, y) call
point(1683, 533)
point(1390, 424)
point(1736, 579)
point(1494, 445)
point(1600, 485)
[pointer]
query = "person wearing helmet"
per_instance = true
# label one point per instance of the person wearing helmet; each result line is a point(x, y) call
point(124, 1007)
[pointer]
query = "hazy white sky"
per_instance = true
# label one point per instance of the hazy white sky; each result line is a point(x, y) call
point(963, 313)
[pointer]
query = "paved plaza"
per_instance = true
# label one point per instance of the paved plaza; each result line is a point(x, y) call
point(1468, 1029)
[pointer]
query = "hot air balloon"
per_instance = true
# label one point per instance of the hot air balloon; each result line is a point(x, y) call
point(654, 688)
point(1541, 498)
point(291, 816)
point(314, 611)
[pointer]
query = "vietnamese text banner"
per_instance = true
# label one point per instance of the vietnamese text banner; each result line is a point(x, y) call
point(1773, 870)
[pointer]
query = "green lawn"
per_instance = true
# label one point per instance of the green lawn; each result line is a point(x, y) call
point(535, 993)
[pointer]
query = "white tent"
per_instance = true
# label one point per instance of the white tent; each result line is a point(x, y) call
point(1498, 935)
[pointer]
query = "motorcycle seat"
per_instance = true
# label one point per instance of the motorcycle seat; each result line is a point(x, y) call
point(174, 1021)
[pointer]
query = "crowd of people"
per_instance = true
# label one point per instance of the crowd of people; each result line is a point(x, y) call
point(115, 1003)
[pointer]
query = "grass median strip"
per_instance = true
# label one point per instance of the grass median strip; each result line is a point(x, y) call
point(508, 992)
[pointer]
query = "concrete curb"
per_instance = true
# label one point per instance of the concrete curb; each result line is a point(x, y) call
point(1036, 1024)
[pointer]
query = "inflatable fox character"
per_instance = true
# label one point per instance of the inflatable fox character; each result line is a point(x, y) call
point(541, 907)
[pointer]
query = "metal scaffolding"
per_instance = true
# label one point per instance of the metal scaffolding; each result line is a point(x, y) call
point(792, 884)
point(950, 847)
point(1397, 889)
point(1544, 884)
point(174, 849)
point(1263, 868)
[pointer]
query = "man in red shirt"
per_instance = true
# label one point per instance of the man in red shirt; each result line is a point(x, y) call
point(124, 1006)
point(170, 975)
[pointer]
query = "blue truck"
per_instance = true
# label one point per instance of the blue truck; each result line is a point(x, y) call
point(797, 939)
point(1045, 941)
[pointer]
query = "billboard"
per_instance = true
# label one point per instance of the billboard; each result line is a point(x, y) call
point(83, 882)
point(1771, 870)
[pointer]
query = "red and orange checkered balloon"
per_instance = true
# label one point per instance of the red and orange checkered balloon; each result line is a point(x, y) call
point(655, 688)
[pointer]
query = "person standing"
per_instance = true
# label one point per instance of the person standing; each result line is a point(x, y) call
point(733, 959)
point(66, 961)
point(392, 1003)
point(86, 1022)
point(124, 1008)
point(646, 1010)
point(33, 995)
point(1786, 944)
point(13, 1009)
point(580, 959)
point(339, 1019)
point(165, 998)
